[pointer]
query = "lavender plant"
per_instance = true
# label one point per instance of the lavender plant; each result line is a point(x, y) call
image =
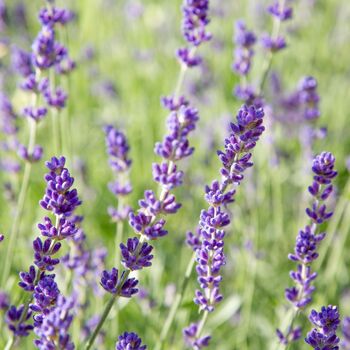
point(210, 257)
point(61, 200)
point(307, 241)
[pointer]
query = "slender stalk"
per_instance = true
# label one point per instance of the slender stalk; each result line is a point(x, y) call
point(202, 323)
point(10, 343)
point(54, 118)
point(176, 304)
point(269, 57)
point(21, 201)
point(107, 309)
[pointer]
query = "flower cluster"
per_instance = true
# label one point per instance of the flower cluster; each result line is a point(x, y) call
point(281, 11)
point(235, 159)
point(309, 98)
point(326, 323)
point(301, 104)
point(307, 241)
point(61, 200)
point(118, 149)
point(129, 341)
point(47, 53)
point(244, 40)
point(194, 23)
point(53, 333)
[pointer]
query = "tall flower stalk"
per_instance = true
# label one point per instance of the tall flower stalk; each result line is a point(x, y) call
point(61, 200)
point(46, 54)
point(306, 245)
point(119, 161)
point(149, 221)
point(209, 245)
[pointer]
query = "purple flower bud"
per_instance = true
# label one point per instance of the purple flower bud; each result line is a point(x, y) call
point(13, 315)
point(129, 341)
point(35, 156)
point(110, 282)
point(133, 257)
point(280, 11)
point(273, 44)
point(21, 62)
point(36, 113)
point(189, 335)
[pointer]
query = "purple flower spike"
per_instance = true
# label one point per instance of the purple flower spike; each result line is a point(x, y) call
point(129, 341)
point(244, 52)
point(208, 241)
point(324, 335)
point(306, 246)
point(135, 258)
point(110, 282)
point(309, 98)
point(2, 237)
point(13, 315)
point(118, 152)
point(59, 198)
point(118, 148)
point(195, 20)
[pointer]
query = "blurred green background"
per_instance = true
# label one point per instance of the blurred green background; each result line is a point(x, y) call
point(125, 55)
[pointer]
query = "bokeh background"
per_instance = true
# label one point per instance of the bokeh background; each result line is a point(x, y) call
point(125, 62)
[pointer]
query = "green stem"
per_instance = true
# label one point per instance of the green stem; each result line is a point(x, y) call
point(107, 310)
point(176, 304)
point(54, 118)
point(19, 207)
point(269, 57)
point(202, 323)
point(10, 343)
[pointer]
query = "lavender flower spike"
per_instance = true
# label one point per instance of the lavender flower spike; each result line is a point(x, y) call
point(194, 22)
point(308, 239)
point(118, 152)
point(326, 323)
point(60, 200)
point(209, 245)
